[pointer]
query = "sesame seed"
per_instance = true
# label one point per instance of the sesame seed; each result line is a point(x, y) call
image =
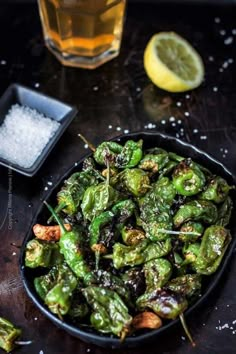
point(228, 40)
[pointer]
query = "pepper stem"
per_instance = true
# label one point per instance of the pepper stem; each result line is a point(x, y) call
point(186, 330)
point(56, 217)
point(90, 145)
point(58, 208)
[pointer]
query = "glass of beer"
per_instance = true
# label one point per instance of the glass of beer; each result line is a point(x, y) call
point(83, 33)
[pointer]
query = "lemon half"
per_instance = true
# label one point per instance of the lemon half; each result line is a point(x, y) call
point(172, 63)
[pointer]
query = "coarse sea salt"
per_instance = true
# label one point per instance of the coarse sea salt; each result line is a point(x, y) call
point(24, 134)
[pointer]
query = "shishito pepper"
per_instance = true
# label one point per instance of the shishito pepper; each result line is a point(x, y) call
point(142, 252)
point(131, 236)
point(157, 272)
point(56, 288)
point(154, 162)
point(188, 178)
point(197, 210)
point(70, 246)
point(217, 190)
point(214, 244)
point(42, 254)
point(135, 181)
point(107, 152)
point(165, 303)
point(130, 154)
point(8, 335)
point(188, 285)
point(191, 231)
point(110, 314)
point(224, 212)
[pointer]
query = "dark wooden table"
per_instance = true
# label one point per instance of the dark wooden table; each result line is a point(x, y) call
point(114, 99)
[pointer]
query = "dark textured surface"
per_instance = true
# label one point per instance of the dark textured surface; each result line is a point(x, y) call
point(117, 97)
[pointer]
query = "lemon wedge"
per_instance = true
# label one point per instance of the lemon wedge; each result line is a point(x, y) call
point(172, 63)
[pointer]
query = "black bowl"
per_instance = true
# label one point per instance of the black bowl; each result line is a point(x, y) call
point(150, 140)
point(49, 107)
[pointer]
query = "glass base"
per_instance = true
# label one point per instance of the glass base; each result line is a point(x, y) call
point(82, 61)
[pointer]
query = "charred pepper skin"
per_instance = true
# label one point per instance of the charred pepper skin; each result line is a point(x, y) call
point(154, 163)
point(130, 155)
point(140, 253)
point(107, 152)
point(135, 181)
point(8, 334)
point(188, 178)
point(164, 303)
point(110, 313)
point(72, 250)
point(217, 190)
point(214, 244)
point(157, 273)
point(191, 226)
point(224, 212)
point(197, 210)
point(188, 285)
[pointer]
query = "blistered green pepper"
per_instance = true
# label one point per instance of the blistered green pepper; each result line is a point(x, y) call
point(70, 246)
point(135, 181)
point(164, 303)
point(154, 163)
point(78, 307)
point(197, 210)
point(132, 236)
point(110, 313)
point(95, 229)
point(157, 273)
point(123, 210)
point(135, 281)
point(130, 154)
point(112, 282)
point(217, 190)
point(214, 244)
point(97, 199)
point(42, 254)
point(157, 227)
point(142, 252)
point(8, 335)
point(224, 212)
point(188, 178)
point(188, 285)
point(191, 231)
point(107, 152)
point(45, 283)
point(191, 252)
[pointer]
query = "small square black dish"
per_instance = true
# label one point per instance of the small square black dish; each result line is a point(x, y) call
point(48, 107)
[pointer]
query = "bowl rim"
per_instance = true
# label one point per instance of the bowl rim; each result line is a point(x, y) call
point(101, 338)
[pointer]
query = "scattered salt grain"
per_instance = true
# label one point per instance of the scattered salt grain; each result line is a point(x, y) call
point(46, 188)
point(183, 338)
point(230, 60)
point(3, 62)
point(210, 58)
point(187, 96)
point(179, 121)
point(126, 131)
point(172, 119)
point(225, 65)
point(24, 134)
point(149, 125)
point(95, 88)
point(177, 135)
point(179, 104)
point(224, 156)
point(138, 89)
point(41, 352)
point(215, 89)
point(226, 152)
point(221, 70)
point(203, 137)
point(234, 322)
point(49, 183)
point(88, 350)
point(37, 84)
point(36, 318)
point(228, 40)
point(76, 163)
point(86, 146)
point(234, 31)
point(217, 20)
point(110, 126)
point(173, 124)
point(222, 32)
point(13, 253)
point(118, 129)
point(163, 121)
point(187, 114)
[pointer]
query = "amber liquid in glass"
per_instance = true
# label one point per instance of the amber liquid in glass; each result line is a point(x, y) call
point(84, 33)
